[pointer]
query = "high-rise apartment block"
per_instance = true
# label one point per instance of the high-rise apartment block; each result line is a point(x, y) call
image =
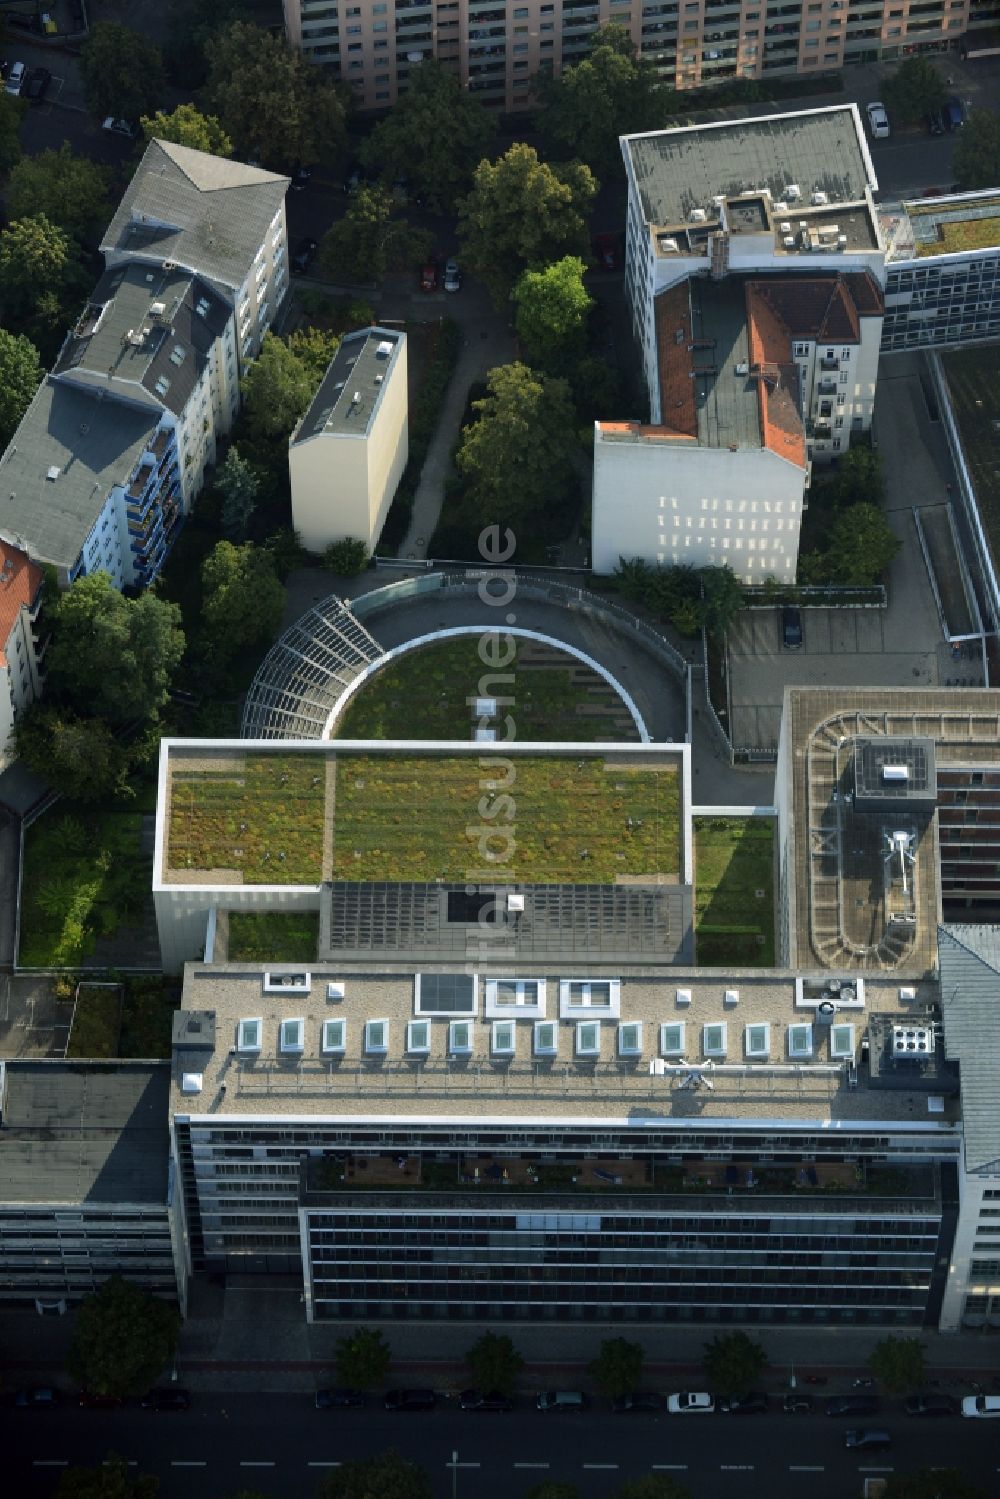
point(495, 48)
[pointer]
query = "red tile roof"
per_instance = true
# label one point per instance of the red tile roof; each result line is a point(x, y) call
point(777, 377)
point(867, 293)
point(674, 336)
point(20, 580)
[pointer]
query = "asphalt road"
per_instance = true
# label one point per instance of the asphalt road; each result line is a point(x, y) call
point(282, 1446)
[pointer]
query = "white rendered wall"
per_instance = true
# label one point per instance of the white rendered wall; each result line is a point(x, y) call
point(971, 1221)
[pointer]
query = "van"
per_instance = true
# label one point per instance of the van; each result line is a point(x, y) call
point(868, 1439)
point(561, 1400)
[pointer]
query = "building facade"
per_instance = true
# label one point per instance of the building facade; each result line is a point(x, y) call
point(495, 49)
point(347, 454)
point(23, 640)
point(937, 295)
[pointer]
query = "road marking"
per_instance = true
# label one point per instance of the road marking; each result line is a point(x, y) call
point(601, 1465)
point(876, 1470)
point(257, 1465)
point(806, 1468)
point(179, 1462)
point(736, 1467)
point(670, 1467)
point(531, 1465)
point(323, 1465)
point(51, 1462)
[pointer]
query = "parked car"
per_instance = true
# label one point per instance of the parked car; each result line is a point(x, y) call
point(954, 113)
point(15, 78)
point(797, 1405)
point(791, 627)
point(931, 1405)
point(867, 1438)
point(342, 1399)
point(41, 1397)
point(751, 1404)
point(170, 1398)
point(37, 84)
point(935, 122)
point(452, 276)
point(878, 120)
point(489, 1400)
point(606, 251)
point(639, 1402)
point(981, 1405)
point(303, 255)
point(428, 276)
point(410, 1400)
point(691, 1403)
point(92, 1400)
point(301, 177)
point(852, 1405)
point(561, 1400)
point(128, 128)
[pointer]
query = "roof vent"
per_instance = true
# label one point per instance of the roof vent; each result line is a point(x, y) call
point(743, 368)
point(911, 1042)
point(136, 337)
point(789, 241)
point(192, 1082)
point(379, 379)
point(819, 197)
point(793, 190)
point(384, 349)
point(697, 216)
point(356, 398)
point(53, 472)
point(157, 309)
point(781, 208)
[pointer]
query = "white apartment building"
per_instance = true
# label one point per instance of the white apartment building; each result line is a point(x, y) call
point(348, 453)
point(495, 48)
point(112, 451)
point(21, 649)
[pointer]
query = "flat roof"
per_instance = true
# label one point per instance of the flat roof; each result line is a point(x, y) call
point(84, 1132)
point(524, 1085)
point(350, 391)
point(681, 170)
point(954, 223)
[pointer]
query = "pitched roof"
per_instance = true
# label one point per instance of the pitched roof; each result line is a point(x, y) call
point(815, 308)
point(672, 310)
point(20, 581)
point(205, 213)
point(867, 293)
point(776, 375)
point(969, 959)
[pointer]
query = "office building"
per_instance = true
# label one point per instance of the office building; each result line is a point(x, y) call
point(942, 272)
point(348, 453)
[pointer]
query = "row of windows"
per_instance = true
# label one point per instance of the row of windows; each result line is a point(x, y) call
point(538, 1310)
point(858, 1297)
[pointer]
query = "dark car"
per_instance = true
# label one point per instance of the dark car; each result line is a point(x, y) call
point(640, 1402)
point(606, 251)
point(410, 1400)
point(751, 1404)
point(40, 1398)
point(930, 1405)
point(303, 255)
point(867, 1438)
point(852, 1405)
point(489, 1400)
point(91, 1400)
point(168, 1399)
point(301, 177)
point(954, 113)
point(339, 1400)
point(37, 84)
point(797, 1405)
point(935, 122)
point(791, 627)
point(428, 276)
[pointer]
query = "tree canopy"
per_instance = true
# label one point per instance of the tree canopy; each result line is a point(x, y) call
point(313, 348)
point(552, 310)
point(274, 105)
point(517, 454)
point(523, 214)
point(70, 190)
point(976, 162)
point(276, 390)
point(722, 597)
point(34, 253)
point(122, 1339)
point(652, 1486)
point(11, 114)
point(494, 1363)
point(387, 1476)
point(899, 1363)
point(618, 1366)
point(362, 1359)
point(733, 1361)
point(861, 544)
point(610, 92)
point(434, 136)
point(78, 757)
point(238, 482)
point(122, 71)
point(932, 1483)
point(20, 377)
point(113, 657)
point(915, 88)
point(243, 600)
point(190, 24)
point(372, 237)
point(187, 126)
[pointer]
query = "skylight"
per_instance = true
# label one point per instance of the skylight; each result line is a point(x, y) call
point(460, 1038)
point(248, 1035)
point(177, 354)
point(334, 1036)
point(672, 1038)
point(291, 1036)
point(757, 1040)
point(546, 1038)
point(418, 1036)
point(502, 1042)
point(800, 1040)
point(713, 1040)
point(630, 1039)
point(588, 1038)
point(842, 1041)
point(377, 1037)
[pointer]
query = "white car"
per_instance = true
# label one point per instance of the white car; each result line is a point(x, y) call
point(981, 1405)
point(878, 121)
point(120, 127)
point(691, 1403)
point(452, 276)
point(15, 78)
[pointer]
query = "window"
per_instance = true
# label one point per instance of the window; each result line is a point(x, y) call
point(418, 1036)
point(546, 1038)
point(502, 1039)
point(177, 354)
point(445, 993)
point(588, 1038)
point(334, 1036)
point(757, 1041)
point(460, 1038)
point(672, 1039)
point(377, 1037)
point(501, 996)
point(162, 385)
point(589, 994)
point(800, 1041)
point(248, 1035)
point(291, 1035)
point(713, 1040)
point(842, 1041)
point(630, 1039)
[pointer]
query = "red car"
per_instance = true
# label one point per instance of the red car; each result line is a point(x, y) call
point(606, 252)
point(429, 277)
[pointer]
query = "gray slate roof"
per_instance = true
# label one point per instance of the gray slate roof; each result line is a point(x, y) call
point(199, 210)
point(93, 443)
point(678, 170)
point(90, 1132)
point(360, 368)
point(969, 958)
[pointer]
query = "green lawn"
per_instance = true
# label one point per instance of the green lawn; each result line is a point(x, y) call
point(734, 891)
point(273, 936)
point(265, 821)
point(425, 695)
point(84, 876)
point(974, 382)
point(97, 1023)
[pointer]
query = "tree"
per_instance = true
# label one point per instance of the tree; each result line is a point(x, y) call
point(976, 162)
point(387, 1476)
point(523, 213)
point(190, 24)
point(276, 390)
point(69, 190)
point(187, 126)
point(363, 1359)
point(899, 1364)
point(611, 92)
point(313, 348)
point(858, 478)
point(123, 1337)
point(273, 104)
point(11, 114)
point(122, 72)
point(860, 546)
point(434, 136)
point(78, 757)
point(494, 1363)
point(34, 253)
point(618, 1366)
point(243, 601)
point(552, 310)
point(722, 597)
point(111, 1480)
point(652, 1486)
point(517, 454)
point(347, 558)
point(932, 1483)
point(20, 377)
point(113, 657)
point(915, 88)
point(371, 238)
point(238, 482)
point(733, 1361)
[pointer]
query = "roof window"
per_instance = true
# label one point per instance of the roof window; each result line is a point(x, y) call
point(162, 385)
point(713, 1039)
point(546, 1039)
point(377, 1038)
point(800, 1040)
point(757, 1040)
point(248, 1035)
point(630, 1039)
point(418, 1037)
point(177, 354)
point(334, 1036)
point(672, 1038)
point(291, 1037)
point(588, 1038)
